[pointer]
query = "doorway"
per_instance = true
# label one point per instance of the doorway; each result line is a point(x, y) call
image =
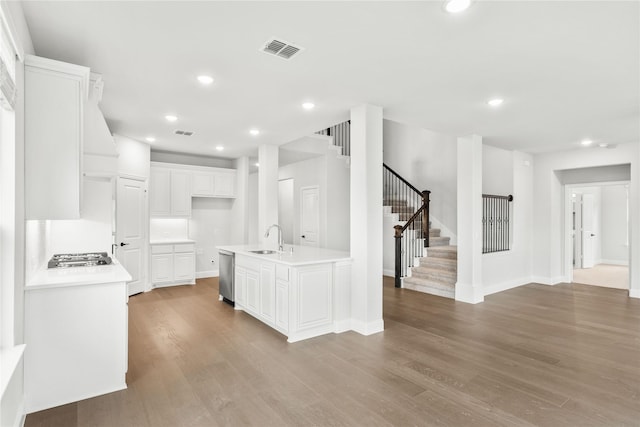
point(310, 216)
point(599, 234)
point(131, 233)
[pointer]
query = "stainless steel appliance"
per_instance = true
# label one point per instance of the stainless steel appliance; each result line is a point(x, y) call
point(227, 268)
point(79, 260)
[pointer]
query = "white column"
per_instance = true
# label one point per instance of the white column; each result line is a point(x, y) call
point(240, 232)
point(268, 193)
point(366, 219)
point(469, 285)
point(634, 229)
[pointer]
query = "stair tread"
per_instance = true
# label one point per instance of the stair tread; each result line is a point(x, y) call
point(435, 271)
point(429, 283)
point(448, 248)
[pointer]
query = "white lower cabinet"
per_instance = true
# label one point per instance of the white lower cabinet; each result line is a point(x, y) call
point(173, 264)
point(295, 300)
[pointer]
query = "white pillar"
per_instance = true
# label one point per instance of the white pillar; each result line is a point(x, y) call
point(366, 219)
point(268, 193)
point(240, 232)
point(469, 286)
point(634, 229)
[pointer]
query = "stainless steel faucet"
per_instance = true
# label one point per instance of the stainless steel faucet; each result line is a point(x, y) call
point(280, 240)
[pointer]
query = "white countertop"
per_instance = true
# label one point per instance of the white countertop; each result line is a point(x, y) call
point(169, 241)
point(302, 255)
point(78, 276)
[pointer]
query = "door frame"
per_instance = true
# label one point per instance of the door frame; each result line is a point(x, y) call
point(568, 249)
point(146, 255)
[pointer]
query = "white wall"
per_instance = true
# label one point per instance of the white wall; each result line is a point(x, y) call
point(615, 248)
point(13, 232)
point(497, 171)
point(550, 255)
point(134, 157)
point(191, 159)
point(286, 208)
point(210, 226)
point(428, 161)
point(338, 203)
point(307, 173)
point(505, 270)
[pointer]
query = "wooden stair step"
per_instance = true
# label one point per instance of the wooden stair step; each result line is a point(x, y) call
point(429, 287)
point(439, 263)
point(439, 241)
point(450, 252)
point(434, 274)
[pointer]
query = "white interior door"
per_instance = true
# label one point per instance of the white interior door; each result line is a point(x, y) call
point(130, 231)
point(286, 210)
point(309, 216)
point(588, 231)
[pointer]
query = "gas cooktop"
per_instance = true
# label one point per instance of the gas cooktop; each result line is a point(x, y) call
point(79, 260)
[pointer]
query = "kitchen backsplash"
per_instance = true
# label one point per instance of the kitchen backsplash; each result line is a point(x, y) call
point(169, 228)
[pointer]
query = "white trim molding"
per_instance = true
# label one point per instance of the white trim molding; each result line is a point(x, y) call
point(634, 293)
point(206, 274)
point(509, 284)
point(369, 328)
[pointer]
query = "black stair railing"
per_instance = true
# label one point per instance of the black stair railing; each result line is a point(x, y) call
point(496, 227)
point(341, 134)
point(412, 206)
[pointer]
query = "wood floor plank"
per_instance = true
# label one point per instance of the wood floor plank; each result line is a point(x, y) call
point(567, 355)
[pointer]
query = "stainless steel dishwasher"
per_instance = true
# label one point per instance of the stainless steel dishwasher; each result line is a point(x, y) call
point(227, 271)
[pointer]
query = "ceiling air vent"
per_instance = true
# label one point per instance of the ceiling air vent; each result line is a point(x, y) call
point(184, 132)
point(280, 48)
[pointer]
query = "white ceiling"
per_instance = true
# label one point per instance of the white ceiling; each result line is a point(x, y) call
point(566, 70)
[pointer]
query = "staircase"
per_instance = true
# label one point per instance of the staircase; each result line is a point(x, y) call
point(433, 269)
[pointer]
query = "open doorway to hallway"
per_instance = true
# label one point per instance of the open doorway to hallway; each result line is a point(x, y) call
point(600, 234)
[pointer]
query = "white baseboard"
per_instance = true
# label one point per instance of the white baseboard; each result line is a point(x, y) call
point(369, 328)
point(614, 262)
point(390, 273)
point(340, 326)
point(205, 274)
point(468, 293)
point(510, 284)
point(549, 281)
point(634, 293)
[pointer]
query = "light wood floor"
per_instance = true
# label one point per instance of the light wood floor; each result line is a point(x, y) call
point(567, 355)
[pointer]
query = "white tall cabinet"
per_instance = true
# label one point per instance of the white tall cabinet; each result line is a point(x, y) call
point(55, 95)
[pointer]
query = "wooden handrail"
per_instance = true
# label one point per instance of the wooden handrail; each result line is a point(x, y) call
point(404, 181)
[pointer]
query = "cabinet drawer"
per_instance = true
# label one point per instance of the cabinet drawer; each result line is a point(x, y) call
point(282, 272)
point(184, 247)
point(161, 249)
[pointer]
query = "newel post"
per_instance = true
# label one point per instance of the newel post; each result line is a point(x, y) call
point(425, 216)
point(398, 240)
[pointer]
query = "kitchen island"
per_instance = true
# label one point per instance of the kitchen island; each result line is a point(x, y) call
point(302, 292)
point(76, 331)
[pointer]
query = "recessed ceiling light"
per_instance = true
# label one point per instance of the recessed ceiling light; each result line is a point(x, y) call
point(150, 139)
point(308, 105)
point(254, 132)
point(170, 118)
point(603, 145)
point(496, 102)
point(456, 6)
point(205, 80)
point(219, 148)
point(257, 164)
point(586, 142)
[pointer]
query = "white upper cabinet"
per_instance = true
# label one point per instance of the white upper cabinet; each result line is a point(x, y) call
point(55, 93)
point(173, 185)
point(213, 182)
point(170, 192)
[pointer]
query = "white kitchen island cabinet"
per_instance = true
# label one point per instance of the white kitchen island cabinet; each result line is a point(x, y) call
point(301, 295)
point(76, 332)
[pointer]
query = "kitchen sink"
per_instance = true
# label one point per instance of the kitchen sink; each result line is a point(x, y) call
point(263, 252)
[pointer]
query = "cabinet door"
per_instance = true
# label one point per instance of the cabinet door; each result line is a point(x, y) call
point(161, 268)
point(253, 291)
point(203, 184)
point(240, 286)
point(184, 266)
point(225, 183)
point(180, 193)
point(268, 292)
point(282, 305)
point(53, 113)
point(160, 192)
